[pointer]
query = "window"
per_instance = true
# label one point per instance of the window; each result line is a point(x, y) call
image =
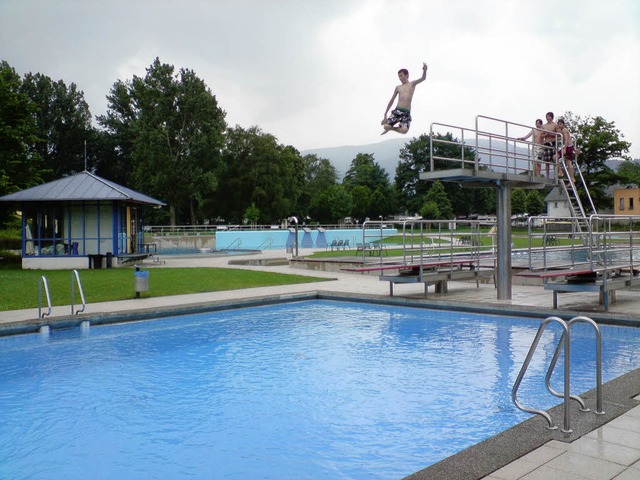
point(631, 203)
point(622, 204)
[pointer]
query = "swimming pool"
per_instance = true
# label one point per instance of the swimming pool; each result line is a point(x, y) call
point(315, 389)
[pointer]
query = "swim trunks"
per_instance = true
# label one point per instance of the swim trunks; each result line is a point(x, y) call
point(399, 116)
point(570, 151)
point(549, 150)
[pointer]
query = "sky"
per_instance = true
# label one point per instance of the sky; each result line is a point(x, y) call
point(317, 73)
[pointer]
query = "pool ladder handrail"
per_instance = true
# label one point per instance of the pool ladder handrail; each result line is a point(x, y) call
point(42, 284)
point(76, 276)
point(565, 341)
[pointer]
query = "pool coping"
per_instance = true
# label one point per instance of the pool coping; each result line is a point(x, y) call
point(474, 462)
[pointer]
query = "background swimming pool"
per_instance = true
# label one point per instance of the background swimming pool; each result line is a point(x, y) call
point(309, 390)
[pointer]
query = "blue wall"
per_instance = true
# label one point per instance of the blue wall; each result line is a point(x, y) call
point(276, 239)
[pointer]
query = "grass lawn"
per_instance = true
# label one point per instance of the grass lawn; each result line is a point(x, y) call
point(19, 288)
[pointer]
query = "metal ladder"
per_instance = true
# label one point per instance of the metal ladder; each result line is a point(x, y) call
point(44, 285)
point(76, 276)
point(570, 190)
point(564, 343)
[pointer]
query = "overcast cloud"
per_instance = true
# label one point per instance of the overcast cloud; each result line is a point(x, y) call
point(320, 73)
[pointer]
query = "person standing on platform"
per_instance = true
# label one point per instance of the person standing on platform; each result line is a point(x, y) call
point(536, 133)
point(549, 139)
point(567, 151)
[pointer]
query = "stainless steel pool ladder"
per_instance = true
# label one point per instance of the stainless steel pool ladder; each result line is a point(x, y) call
point(564, 342)
point(76, 276)
point(43, 285)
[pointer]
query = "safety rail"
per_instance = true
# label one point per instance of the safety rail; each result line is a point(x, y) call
point(266, 244)
point(608, 243)
point(43, 285)
point(564, 342)
point(497, 151)
point(76, 276)
point(235, 244)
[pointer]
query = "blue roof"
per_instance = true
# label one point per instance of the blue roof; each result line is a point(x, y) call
point(82, 186)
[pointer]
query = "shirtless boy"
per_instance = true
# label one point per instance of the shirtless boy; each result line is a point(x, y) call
point(537, 146)
point(567, 151)
point(549, 137)
point(400, 118)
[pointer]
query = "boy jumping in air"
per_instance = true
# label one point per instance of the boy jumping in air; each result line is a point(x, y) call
point(400, 118)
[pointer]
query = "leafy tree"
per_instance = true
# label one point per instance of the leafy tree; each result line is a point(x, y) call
point(63, 124)
point(535, 203)
point(320, 175)
point(430, 211)
point(361, 197)
point(169, 127)
point(252, 214)
point(255, 168)
point(363, 179)
point(438, 195)
point(597, 141)
point(519, 201)
point(340, 202)
point(415, 158)
point(629, 172)
point(20, 164)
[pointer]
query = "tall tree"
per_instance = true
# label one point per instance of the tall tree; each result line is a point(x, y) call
point(170, 128)
point(63, 124)
point(320, 175)
point(629, 172)
point(363, 179)
point(256, 169)
point(438, 196)
point(20, 164)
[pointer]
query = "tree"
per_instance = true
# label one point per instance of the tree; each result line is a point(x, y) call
point(363, 179)
point(629, 172)
point(255, 168)
point(320, 175)
point(20, 164)
point(438, 196)
point(252, 214)
point(415, 158)
point(597, 141)
point(519, 201)
point(169, 128)
point(340, 202)
point(535, 203)
point(63, 124)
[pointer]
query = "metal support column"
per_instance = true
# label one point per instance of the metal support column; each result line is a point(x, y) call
point(503, 214)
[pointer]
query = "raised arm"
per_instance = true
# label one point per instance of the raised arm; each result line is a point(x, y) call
point(423, 77)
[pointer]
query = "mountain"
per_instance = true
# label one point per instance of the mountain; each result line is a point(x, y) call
point(386, 154)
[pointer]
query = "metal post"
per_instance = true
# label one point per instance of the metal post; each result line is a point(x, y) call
point(504, 240)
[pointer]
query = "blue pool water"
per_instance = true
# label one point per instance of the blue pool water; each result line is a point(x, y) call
point(310, 390)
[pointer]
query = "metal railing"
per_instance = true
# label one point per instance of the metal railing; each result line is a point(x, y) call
point(76, 276)
point(491, 146)
point(43, 285)
point(563, 343)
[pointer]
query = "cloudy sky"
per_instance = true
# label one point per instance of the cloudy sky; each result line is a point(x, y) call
point(319, 73)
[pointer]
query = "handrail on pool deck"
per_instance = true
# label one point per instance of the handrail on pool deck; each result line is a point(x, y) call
point(565, 340)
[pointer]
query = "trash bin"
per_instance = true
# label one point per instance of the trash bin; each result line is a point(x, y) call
point(141, 278)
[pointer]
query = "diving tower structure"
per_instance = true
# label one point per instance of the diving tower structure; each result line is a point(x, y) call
point(493, 155)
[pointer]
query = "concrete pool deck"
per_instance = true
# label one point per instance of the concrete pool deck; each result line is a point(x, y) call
point(601, 447)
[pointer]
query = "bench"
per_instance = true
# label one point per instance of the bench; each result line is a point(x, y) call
point(607, 293)
point(439, 279)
